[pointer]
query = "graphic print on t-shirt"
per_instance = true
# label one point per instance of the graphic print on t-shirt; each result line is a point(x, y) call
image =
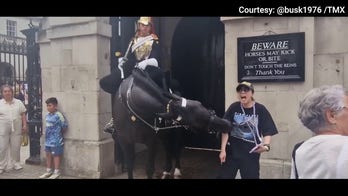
point(245, 128)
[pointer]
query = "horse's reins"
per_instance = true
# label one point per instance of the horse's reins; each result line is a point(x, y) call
point(154, 127)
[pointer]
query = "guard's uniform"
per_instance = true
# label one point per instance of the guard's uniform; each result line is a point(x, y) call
point(145, 53)
point(140, 50)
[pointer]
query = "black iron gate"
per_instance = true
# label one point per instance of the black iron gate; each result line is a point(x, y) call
point(13, 63)
point(34, 107)
point(20, 67)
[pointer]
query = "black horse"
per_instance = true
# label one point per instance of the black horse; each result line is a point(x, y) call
point(138, 105)
point(172, 141)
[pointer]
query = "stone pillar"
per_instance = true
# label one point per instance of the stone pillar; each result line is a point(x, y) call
point(75, 54)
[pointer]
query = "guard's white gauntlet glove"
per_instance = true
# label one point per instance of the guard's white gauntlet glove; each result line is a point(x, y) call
point(152, 62)
point(121, 61)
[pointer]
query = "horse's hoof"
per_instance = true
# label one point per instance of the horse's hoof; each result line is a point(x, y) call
point(177, 173)
point(165, 175)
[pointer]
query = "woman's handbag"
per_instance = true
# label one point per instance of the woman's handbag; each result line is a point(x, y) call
point(25, 139)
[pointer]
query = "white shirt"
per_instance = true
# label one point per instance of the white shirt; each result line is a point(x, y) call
point(11, 113)
point(322, 156)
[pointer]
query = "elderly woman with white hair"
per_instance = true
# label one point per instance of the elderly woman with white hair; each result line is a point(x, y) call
point(324, 111)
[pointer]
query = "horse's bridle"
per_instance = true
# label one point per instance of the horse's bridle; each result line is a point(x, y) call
point(183, 104)
point(211, 119)
point(154, 126)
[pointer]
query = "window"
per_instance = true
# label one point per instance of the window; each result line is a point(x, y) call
point(11, 27)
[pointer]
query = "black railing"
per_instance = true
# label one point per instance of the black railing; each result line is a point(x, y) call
point(10, 40)
point(13, 61)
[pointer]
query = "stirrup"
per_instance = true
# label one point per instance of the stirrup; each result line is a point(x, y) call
point(109, 127)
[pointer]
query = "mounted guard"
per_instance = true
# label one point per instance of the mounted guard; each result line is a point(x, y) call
point(143, 52)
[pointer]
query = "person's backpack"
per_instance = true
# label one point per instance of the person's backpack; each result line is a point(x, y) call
point(293, 156)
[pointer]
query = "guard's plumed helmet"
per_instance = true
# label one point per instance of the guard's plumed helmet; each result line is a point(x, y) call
point(145, 20)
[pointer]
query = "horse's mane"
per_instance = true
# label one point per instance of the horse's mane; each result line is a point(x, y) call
point(142, 78)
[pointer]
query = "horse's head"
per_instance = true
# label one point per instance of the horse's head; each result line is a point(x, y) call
point(143, 97)
point(194, 114)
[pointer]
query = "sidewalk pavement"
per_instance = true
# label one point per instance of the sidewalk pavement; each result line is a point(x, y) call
point(195, 164)
point(34, 171)
point(28, 171)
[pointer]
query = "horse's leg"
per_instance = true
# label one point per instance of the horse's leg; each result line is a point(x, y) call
point(168, 147)
point(177, 171)
point(130, 162)
point(177, 148)
point(119, 155)
point(168, 162)
point(129, 155)
point(165, 138)
point(152, 147)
